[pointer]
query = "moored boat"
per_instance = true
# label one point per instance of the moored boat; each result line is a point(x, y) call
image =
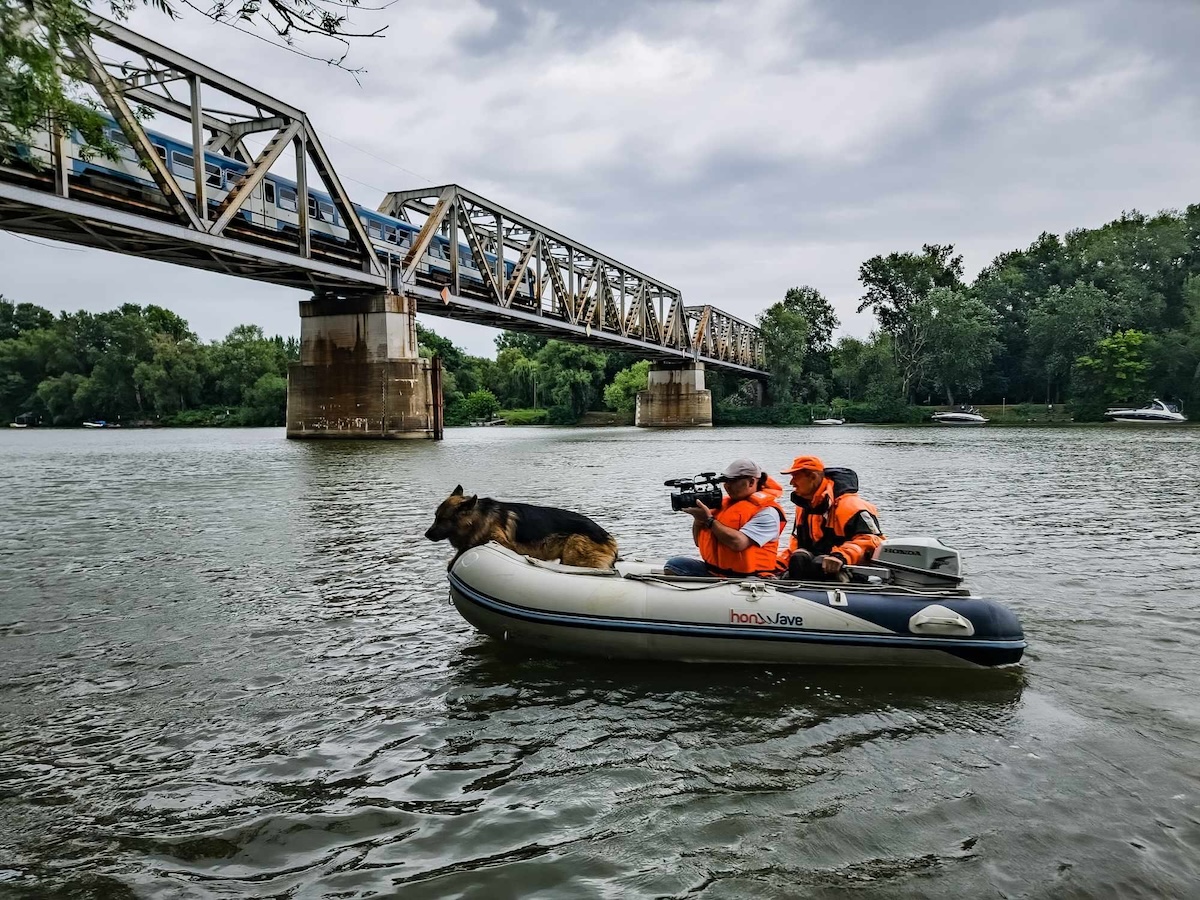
point(962, 415)
point(1154, 412)
point(909, 608)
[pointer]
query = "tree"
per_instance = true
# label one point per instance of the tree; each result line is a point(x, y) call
point(785, 335)
point(1064, 325)
point(17, 318)
point(39, 78)
point(895, 286)
point(1115, 371)
point(481, 405)
point(574, 375)
point(621, 395)
point(962, 341)
point(266, 401)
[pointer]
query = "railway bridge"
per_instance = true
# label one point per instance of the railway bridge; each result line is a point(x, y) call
point(440, 250)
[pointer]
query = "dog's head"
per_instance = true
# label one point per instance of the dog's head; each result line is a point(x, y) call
point(453, 517)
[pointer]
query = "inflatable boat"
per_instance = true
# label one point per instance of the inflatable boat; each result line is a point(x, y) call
point(909, 608)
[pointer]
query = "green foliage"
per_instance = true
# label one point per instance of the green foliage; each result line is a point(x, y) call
point(962, 341)
point(523, 416)
point(561, 415)
point(481, 405)
point(1114, 372)
point(897, 286)
point(622, 393)
point(135, 364)
point(796, 335)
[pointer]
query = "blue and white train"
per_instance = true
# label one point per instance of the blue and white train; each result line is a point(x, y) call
point(271, 211)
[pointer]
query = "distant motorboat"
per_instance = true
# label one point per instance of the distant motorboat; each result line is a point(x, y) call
point(1155, 412)
point(831, 421)
point(99, 423)
point(962, 415)
point(17, 425)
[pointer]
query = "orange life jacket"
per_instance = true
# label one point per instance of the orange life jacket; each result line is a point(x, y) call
point(820, 526)
point(754, 560)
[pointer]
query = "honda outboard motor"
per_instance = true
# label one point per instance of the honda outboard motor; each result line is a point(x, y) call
point(920, 562)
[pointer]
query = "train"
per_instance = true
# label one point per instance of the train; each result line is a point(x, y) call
point(271, 213)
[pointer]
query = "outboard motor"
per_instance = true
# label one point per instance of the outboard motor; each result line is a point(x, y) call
point(920, 562)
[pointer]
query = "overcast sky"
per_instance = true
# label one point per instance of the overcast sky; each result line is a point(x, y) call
point(731, 149)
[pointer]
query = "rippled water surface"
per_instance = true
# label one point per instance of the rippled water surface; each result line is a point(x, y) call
point(228, 669)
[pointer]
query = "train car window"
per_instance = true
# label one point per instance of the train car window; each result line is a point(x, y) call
point(313, 212)
point(328, 213)
point(118, 137)
point(287, 199)
point(181, 163)
point(212, 175)
point(269, 191)
point(161, 151)
point(376, 230)
point(389, 234)
point(405, 238)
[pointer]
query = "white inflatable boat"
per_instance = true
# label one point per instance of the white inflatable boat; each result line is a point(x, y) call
point(908, 609)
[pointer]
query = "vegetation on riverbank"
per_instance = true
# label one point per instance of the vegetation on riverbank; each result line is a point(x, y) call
point(1099, 317)
point(136, 366)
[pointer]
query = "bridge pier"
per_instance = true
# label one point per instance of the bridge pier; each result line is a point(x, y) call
point(359, 374)
point(674, 397)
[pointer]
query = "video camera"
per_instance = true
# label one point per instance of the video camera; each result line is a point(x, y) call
point(700, 487)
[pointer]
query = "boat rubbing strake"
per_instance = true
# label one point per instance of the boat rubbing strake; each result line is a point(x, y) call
point(916, 613)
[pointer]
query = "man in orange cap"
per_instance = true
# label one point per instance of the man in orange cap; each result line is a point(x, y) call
point(834, 526)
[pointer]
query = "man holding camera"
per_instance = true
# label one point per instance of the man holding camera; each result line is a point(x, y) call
point(741, 538)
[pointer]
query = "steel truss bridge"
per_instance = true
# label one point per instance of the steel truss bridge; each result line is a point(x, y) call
point(525, 277)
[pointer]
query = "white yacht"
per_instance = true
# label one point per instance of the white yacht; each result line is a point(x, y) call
point(961, 415)
point(1155, 412)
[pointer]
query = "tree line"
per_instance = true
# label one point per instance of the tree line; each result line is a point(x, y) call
point(534, 380)
point(136, 365)
point(1101, 316)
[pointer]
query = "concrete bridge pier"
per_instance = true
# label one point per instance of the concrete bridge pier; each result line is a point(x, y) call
point(359, 374)
point(674, 397)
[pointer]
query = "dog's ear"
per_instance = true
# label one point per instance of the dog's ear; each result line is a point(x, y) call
point(469, 503)
point(457, 492)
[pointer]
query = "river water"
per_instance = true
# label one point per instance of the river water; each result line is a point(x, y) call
point(228, 668)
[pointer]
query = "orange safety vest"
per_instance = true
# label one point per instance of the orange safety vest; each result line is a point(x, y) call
point(824, 532)
point(754, 560)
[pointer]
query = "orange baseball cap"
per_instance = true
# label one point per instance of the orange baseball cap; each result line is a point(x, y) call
point(800, 463)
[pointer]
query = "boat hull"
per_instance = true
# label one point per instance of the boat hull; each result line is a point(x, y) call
point(1147, 420)
point(546, 607)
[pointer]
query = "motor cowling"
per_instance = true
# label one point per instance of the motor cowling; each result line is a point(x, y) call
point(919, 562)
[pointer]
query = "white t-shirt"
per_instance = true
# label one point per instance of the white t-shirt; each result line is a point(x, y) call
point(763, 527)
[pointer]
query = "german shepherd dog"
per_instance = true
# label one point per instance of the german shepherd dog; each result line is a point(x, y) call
point(542, 532)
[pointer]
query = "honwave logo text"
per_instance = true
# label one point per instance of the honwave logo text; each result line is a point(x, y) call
point(757, 618)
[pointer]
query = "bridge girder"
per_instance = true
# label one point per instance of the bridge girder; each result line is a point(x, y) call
point(571, 288)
